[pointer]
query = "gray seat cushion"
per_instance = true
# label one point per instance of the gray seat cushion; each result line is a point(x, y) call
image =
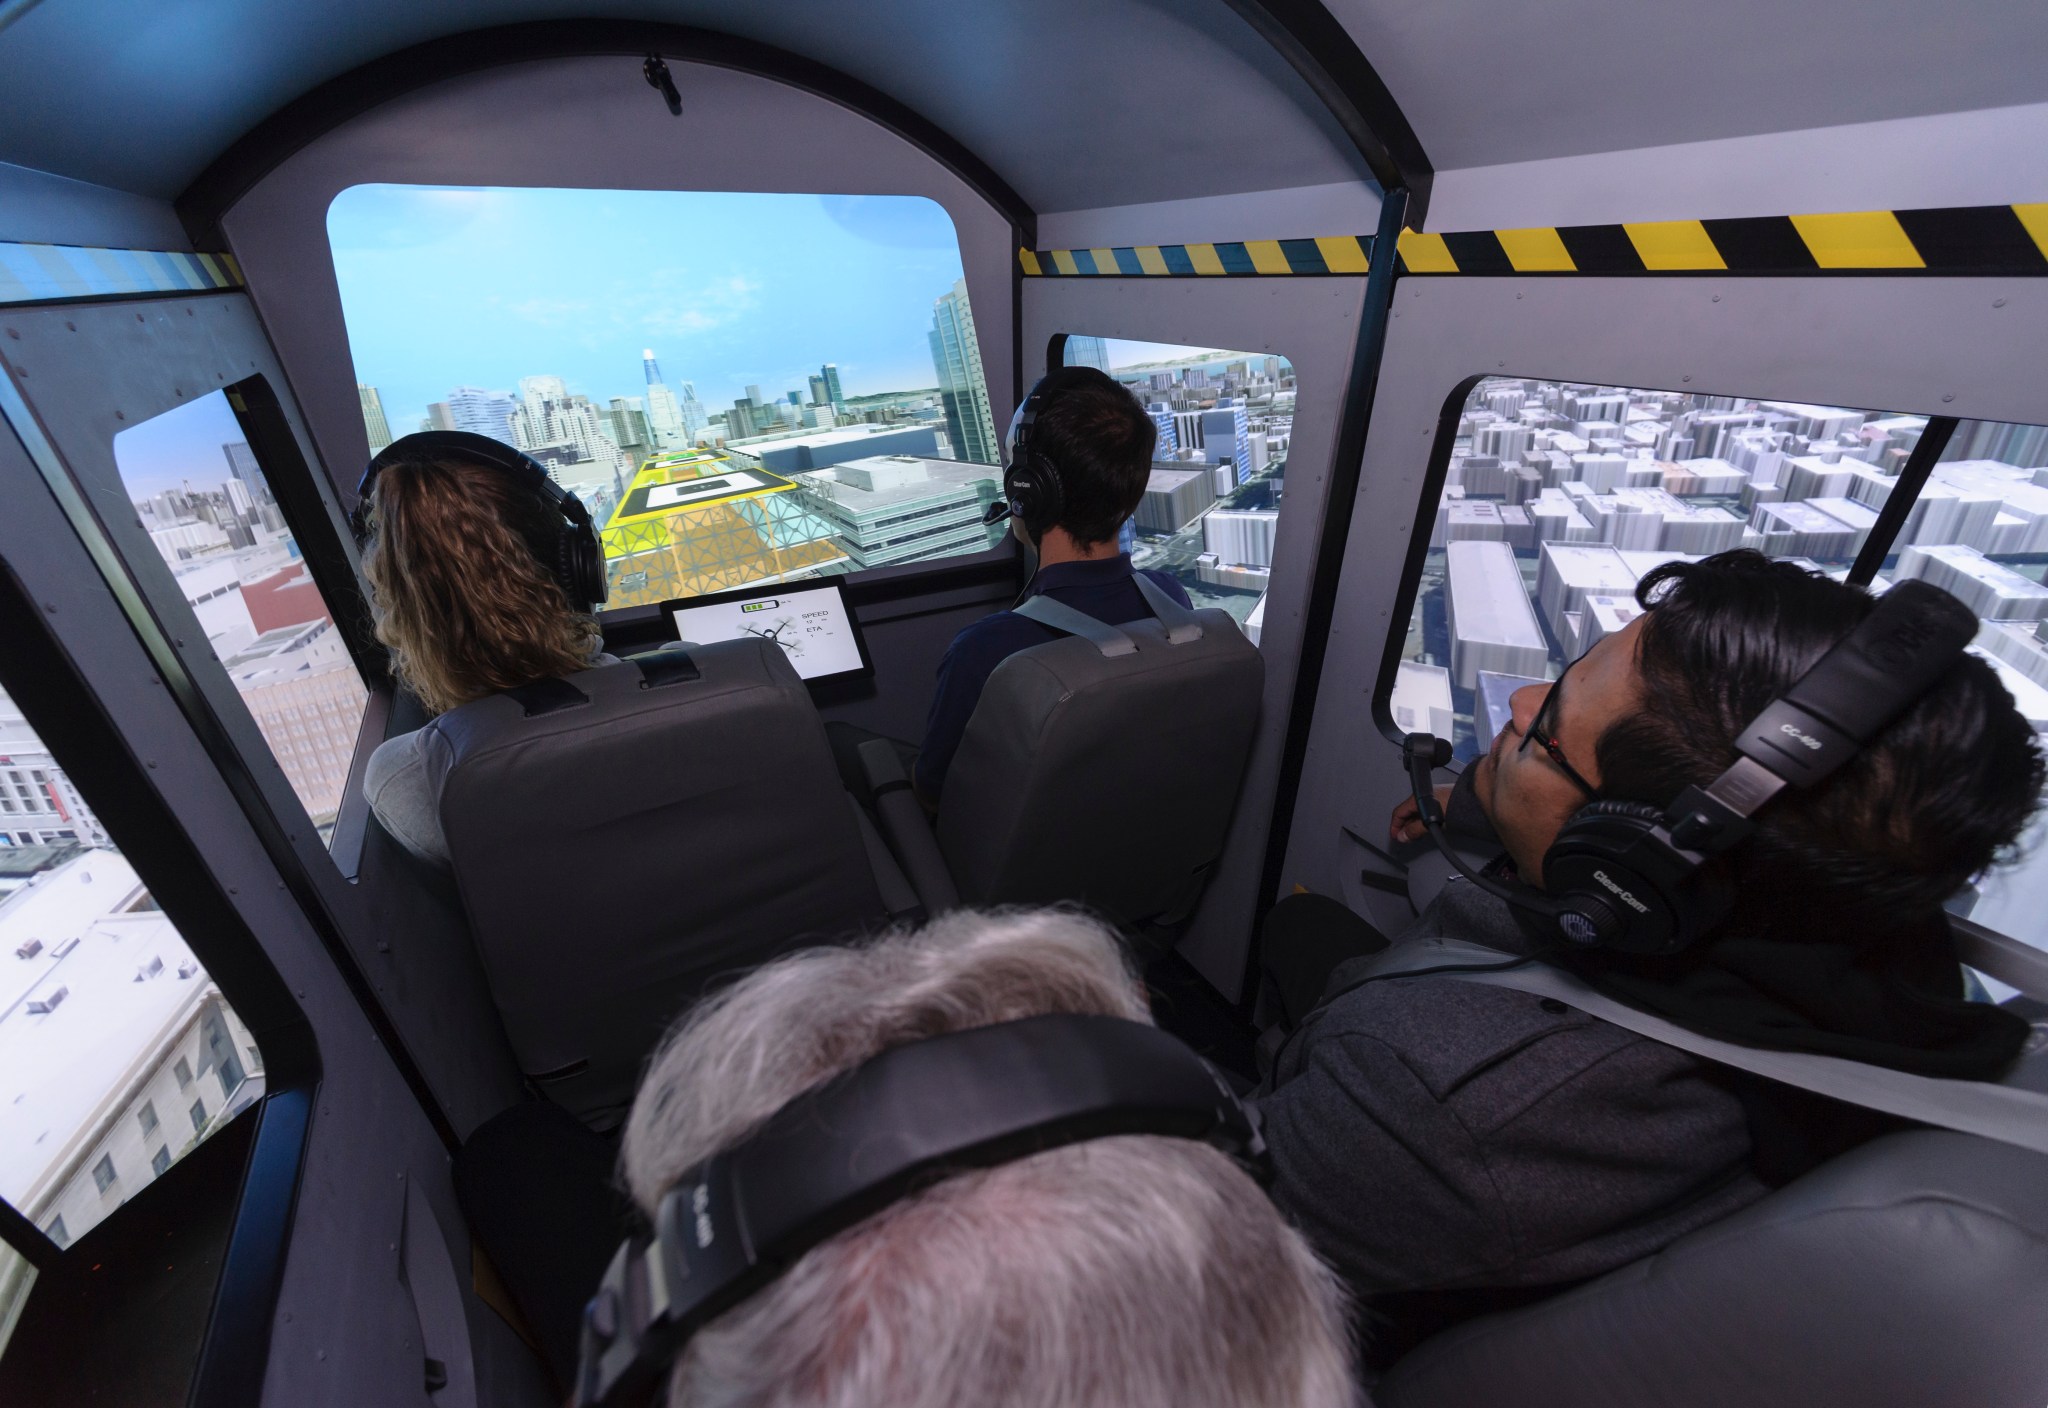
point(1909, 1272)
point(618, 853)
point(1105, 780)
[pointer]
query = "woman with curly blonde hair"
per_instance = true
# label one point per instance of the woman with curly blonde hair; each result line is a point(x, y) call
point(475, 564)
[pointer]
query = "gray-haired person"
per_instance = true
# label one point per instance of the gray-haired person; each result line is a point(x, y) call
point(1125, 1272)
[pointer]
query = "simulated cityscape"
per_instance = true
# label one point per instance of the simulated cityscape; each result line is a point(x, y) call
point(118, 1055)
point(199, 493)
point(504, 313)
point(1560, 496)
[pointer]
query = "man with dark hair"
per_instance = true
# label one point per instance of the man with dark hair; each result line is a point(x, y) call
point(1100, 441)
point(1455, 1148)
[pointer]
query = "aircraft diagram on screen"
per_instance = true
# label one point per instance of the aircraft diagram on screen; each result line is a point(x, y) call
point(811, 622)
point(783, 631)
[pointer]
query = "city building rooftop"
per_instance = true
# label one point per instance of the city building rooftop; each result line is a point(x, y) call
point(128, 983)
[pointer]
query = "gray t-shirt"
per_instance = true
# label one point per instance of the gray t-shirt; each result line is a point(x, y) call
point(395, 782)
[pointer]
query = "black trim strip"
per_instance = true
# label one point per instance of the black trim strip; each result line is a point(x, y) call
point(236, 1354)
point(220, 749)
point(1346, 465)
point(1418, 548)
point(25, 1237)
point(312, 115)
point(1905, 492)
point(1322, 51)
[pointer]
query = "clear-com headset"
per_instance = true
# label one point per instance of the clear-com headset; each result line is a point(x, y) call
point(571, 553)
point(844, 1150)
point(1032, 491)
point(1632, 877)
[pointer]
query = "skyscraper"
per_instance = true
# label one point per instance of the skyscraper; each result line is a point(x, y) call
point(665, 420)
point(821, 394)
point(1225, 431)
point(242, 463)
point(830, 372)
point(373, 417)
point(482, 412)
point(963, 390)
point(1088, 352)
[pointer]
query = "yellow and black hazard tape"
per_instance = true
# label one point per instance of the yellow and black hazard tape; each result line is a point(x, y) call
point(1980, 239)
point(1332, 254)
point(54, 273)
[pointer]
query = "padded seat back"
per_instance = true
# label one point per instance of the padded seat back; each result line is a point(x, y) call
point(625, 835)
point(1910, 1271)
point(1105, 779)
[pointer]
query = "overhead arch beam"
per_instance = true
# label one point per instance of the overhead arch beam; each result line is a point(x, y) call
point(298, 123)
point(1323, 52)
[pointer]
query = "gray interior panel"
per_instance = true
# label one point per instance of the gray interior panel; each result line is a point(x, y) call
point(38, 208)
point(345, 1330)
point(1313, 322)
point(575, 123)
point(1484, 82)
point(1928, 346)
point(1035, 88)
point(90, 372)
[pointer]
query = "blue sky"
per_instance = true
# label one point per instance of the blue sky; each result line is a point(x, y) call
point(444, 287)
point(165, 451)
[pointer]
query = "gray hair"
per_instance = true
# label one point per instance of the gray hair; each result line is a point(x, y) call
point(1129, 1272)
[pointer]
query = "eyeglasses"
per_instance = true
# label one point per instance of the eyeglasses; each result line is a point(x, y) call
point(1539, 734)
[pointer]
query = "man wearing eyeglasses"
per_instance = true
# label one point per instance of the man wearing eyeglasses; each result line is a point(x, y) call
point(1456, 1148)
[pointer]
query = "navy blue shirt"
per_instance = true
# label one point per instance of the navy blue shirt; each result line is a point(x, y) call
point(1101, 588)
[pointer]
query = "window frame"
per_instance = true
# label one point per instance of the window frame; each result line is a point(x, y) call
point(39, 673)
point(1898, 506)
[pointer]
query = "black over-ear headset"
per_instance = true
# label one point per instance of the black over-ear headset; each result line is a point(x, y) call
point(1629, 876)
point(1032, 491)
point(844, 1150)
point(571, 554)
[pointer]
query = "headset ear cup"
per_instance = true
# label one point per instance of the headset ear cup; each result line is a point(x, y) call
point(1590, 869)
point(1054, 505)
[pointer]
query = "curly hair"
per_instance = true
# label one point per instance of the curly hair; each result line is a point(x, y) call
point(1942, 794)
point(457, 593)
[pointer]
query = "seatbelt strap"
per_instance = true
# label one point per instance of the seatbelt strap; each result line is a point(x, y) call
point(1063, 618)
point(1181, 625)
point(2007, 1113)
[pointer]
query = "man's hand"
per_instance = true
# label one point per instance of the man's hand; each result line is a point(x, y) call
point(1406, 824)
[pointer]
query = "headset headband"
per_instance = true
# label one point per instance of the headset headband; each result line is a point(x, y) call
point(1626, 875)
point(850, 1147)
point(572, 555)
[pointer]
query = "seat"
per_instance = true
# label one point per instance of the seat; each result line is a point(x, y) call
point(623, 836)
point(1911, 1271)
point(1104, 767)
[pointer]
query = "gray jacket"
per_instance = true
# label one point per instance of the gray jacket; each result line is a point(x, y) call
point(1435, 1136)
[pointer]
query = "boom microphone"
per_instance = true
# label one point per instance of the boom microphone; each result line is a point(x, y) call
point(1425, 752)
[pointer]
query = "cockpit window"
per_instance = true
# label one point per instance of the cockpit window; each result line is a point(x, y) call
point(118, 1054)
point(741, 387)
point(1211, 511)
point(203, 498)
point(1979, 529)
point(1559, 496)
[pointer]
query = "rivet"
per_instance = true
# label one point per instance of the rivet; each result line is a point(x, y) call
point(11, 332)
point(120, 415)
point(71, 327)
point(1685, 378)
point(1717, 298)
point(152, 762)
point(1998, 303)
point(1948, 396)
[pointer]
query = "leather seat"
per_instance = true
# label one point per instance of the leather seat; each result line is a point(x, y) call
point(1908, 1272)
point(623, 836)
point(1105, 774)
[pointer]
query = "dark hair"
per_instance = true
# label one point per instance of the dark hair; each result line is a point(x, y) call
point(1101, 441)
point(1942, 793)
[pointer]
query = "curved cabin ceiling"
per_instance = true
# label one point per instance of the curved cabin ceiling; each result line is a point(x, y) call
point(1485, 83)
point(1076, 103)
